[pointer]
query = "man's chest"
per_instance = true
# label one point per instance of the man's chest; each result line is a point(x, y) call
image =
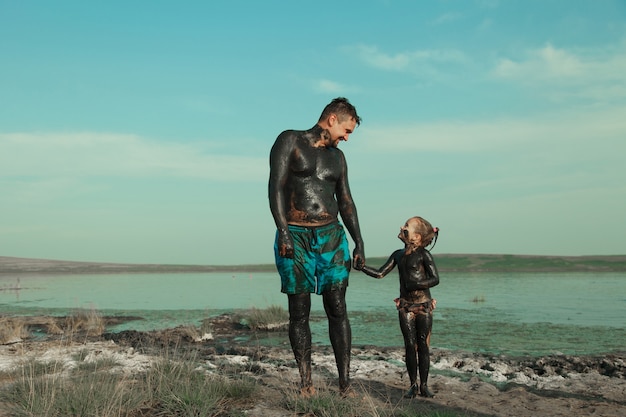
point(321, 163)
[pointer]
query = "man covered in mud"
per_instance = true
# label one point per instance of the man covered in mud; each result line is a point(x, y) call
point(308, 189)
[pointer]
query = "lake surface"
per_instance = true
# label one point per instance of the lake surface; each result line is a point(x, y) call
point(510, 313)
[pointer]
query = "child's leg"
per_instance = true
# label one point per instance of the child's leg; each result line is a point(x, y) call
point(409, 332)
point(424, 323)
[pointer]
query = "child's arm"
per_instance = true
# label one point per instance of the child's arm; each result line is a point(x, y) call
point(383, 270)
point(430, 270)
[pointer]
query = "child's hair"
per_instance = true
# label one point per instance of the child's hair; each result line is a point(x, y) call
point(427, 231)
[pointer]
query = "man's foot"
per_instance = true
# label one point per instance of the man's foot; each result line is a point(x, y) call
point(307, 392)
point(412, 392)
point(425, 392)
point(348, 392)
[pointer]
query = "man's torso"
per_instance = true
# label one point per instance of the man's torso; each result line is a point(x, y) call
point(314, 173)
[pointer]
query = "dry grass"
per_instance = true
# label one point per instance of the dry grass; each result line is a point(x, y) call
point(81, 322)
point(172, 385)
point(12, 330)
point(88, 321)
point(271, 318)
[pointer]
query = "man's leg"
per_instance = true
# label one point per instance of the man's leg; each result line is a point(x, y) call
point(300, 337)
point(340, 332)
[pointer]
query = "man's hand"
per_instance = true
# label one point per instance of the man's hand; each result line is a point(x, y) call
point(285, 245)
point(359, 259)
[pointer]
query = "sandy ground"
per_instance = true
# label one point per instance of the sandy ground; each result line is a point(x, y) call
point(472, 384)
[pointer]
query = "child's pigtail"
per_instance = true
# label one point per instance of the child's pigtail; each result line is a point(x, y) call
point(434, 240)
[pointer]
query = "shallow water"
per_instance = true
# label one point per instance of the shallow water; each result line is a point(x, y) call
point(512, 313)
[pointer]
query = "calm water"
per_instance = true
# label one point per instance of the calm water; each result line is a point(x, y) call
point(512, 313)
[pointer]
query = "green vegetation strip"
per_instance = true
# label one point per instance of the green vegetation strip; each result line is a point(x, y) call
point(445, 263)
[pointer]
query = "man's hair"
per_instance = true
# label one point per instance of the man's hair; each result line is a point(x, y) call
point(342, 108)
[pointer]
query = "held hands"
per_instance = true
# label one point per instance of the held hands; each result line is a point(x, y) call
point(358, 259)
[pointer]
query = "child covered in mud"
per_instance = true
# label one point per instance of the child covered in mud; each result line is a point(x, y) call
point(418, 273)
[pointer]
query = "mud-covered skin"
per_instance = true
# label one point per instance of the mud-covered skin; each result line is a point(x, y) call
point(416, 329)
point(418, 273)
point(339, 331)
point(308, 186)
point(416, 268)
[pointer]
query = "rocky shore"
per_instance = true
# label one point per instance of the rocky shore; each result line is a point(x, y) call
point(465, 383)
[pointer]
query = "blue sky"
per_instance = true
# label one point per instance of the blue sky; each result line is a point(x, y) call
point(139, 131)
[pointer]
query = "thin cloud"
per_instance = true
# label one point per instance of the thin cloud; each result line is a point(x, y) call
point(328, 86)
point(485, 24)
point(547, 63)
point(447, 18)
point(119, 155)
point(567, 130)
point(598, 74)
point(405, 61)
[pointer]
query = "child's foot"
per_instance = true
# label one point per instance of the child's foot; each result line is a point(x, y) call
point(425, 392)
point(412, 392)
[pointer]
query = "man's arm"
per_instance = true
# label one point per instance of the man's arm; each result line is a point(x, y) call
point(279, 173)
point(347, 209)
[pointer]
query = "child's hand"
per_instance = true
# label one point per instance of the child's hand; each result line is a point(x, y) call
point(434, 303)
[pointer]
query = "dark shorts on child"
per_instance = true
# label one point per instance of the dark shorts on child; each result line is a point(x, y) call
point(321, 259)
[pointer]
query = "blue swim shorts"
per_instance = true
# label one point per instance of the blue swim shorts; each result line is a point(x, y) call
point(320, 262)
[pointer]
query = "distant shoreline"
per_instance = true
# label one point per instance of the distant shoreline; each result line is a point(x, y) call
point(445, 262)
